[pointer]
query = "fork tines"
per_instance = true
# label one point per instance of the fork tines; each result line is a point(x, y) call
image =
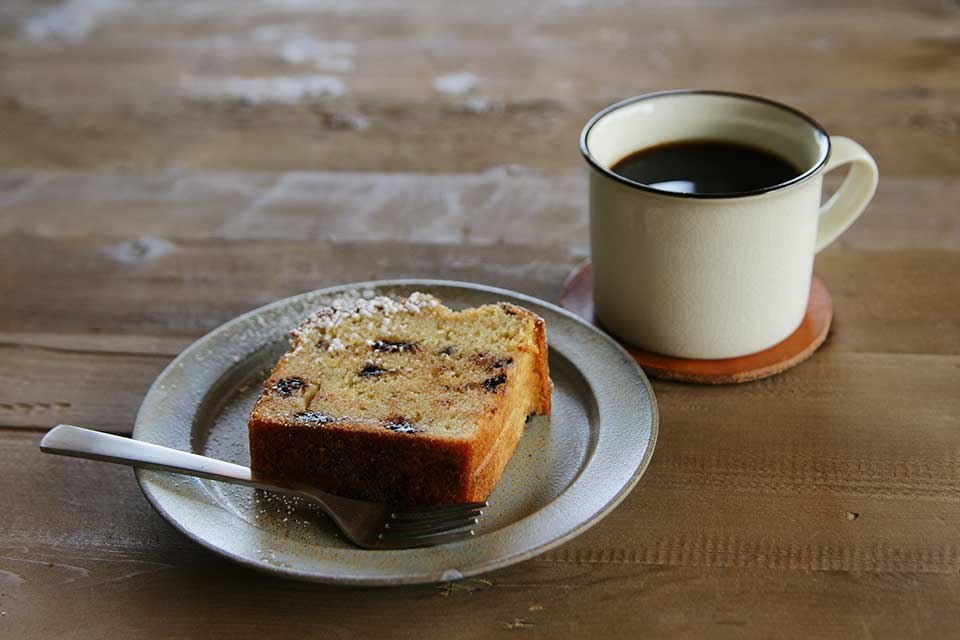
point(430, 526)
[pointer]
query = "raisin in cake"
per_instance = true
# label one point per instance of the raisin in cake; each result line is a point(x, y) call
point(402, 400)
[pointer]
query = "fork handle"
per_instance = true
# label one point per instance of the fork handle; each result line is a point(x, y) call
point(68, 440)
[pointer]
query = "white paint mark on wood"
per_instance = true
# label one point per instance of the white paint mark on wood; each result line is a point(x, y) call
point(140, 250)
point(480, 104)
point(823, 43)
point(246, 217)
point(10, 580)
point(71, 20)
point(660, 60)
point(502, 202)
point(25, 190)
point(144, 567)
point(329, 56)
point(258, 90)
point(79, 572)
point(298, 47)
point(455, 84)
point(352, 121)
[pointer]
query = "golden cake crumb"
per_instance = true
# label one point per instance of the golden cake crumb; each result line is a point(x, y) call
point(402, 399)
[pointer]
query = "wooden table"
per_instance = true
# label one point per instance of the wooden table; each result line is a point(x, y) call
point(165, 168)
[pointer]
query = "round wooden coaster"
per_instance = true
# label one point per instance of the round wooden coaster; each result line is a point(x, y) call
point(800, 345)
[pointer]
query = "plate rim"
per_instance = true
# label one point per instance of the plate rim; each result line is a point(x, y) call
point(493, 564)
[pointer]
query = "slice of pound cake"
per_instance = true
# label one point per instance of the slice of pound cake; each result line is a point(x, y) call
point(402, 400)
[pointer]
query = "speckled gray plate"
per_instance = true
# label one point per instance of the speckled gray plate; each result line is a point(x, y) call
point(568, 472)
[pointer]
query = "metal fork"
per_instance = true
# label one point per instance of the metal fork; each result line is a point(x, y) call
point(371, 525)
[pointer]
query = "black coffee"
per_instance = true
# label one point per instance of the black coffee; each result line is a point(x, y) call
point(706, 167)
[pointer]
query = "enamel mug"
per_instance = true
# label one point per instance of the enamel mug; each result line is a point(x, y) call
point(713, 276)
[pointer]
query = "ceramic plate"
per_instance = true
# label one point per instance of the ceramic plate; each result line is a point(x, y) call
point(569, 470)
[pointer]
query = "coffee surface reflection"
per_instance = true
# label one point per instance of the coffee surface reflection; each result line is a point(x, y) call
point(706, 167)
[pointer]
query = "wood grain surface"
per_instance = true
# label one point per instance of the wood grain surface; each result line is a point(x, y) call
point(165, 167)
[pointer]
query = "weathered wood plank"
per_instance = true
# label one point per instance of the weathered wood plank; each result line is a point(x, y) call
point(42, 387)
point(189, 288)
point(822, 503)
point(96, 344)
point(505, 203)
point(894, 302)
point(680, 556)
point(50, 373)
point(200, 596)
point(375, 86)
point(776, 472)
point(910, 137)
point(93, 380)
point(863, 396)
point(885, 301)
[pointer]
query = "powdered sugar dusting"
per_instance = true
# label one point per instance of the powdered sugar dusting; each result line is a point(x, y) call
point(316, 328)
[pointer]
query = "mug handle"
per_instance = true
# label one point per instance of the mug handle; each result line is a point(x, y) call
point(854, 194)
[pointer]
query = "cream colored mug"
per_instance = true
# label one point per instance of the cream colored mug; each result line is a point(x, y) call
point(713, 276)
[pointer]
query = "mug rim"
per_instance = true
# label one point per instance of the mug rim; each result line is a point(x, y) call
point(588, 155)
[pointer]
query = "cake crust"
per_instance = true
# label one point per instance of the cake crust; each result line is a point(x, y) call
point(402, 400)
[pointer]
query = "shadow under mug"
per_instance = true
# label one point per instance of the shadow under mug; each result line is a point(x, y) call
point(713, 276)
